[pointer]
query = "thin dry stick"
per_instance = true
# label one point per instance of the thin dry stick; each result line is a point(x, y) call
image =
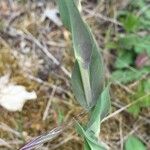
point(132, 132)
point(102, 17)
point(56, 44)
point(45, 50)
point(13, 17)
point(124, 87)
point(48, 104)
point(124, 108)
point(143, 140)
point(13, 142)
point(136, 130)
point(138, 81)
point(115, 104)
point(40, 81)
point(15, 33)
point(10, 130)
point(4, 143)
point(145, 119)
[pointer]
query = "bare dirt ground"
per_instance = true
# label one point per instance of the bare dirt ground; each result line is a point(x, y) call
point(37, 53)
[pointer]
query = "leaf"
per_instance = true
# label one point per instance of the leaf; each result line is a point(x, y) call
point(82, 42)
point(134, 110)
point(146, 87)
point(97, 75)
point(13, 97)
point(76, 81)
point(134, 143)
point(78, 4)
point(144, 15)
point(128, 41)
point(93, 129)
point(124, 59)
point(145, 23)
point(86, 145)
point(100, 111)
point(91, 142)
point(126, 76)
point(140, 92)
point(89, 78)
point(142, 44)
point(64, 14)
point(131, 22)
point(139, 44)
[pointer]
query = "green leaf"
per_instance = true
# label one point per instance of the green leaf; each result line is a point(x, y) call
point(140, 4)
point(128, 41)
point(91, 142)
point(124, 59)
point(100, 111)
point(134, 143)
point(86, 145)
point(132, 41)
point(88, 57)
point(145, 23)
point(146, 90)
point(142, 89)
point(64, 13)
point(91, 132)
point(96, 75)
point(82, 42)
point(146, 85)
point(76, 81)
point(131, 22)
point(89, 80)
point(134, 110)
point(143, 44)
point(126, 76)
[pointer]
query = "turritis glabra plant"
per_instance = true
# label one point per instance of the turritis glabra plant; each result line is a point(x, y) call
point(87, 79)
